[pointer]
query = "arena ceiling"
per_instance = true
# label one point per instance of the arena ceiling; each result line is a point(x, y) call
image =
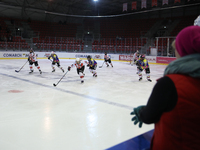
point(44, 9)
point(74, 7)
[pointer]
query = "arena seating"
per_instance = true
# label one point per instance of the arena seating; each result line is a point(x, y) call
point(62, 44)
point(16, 44)
point(117, 35)
point(184, 22)
point(122, 35)
point(55, 36)
point(53, 29)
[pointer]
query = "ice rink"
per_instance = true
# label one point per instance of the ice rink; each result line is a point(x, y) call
point(35, 115)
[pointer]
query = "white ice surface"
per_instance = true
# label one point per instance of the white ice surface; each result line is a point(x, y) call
point(90, 116)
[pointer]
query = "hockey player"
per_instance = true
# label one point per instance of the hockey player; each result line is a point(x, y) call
point(55, 61)
point(33, 60)
point(107, 59)
point(142, 64)
point(92, 64)
point(80, 68)
point(135, 57)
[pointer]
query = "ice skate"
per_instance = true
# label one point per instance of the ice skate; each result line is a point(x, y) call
point(53, 70)
point(149, 80)
point(63, 70)
point(40, 71)
point(95, 75)
point(31, 71)
point(140, 79)
point(82, 81)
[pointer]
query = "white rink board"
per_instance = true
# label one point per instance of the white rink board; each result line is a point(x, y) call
point(64, 55)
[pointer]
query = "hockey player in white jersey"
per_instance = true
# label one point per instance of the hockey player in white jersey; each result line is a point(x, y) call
point(135, 57)
point(80, 68)
point(33, 60)
point(107, 60)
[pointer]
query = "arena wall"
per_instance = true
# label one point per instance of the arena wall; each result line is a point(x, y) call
point(97, 56)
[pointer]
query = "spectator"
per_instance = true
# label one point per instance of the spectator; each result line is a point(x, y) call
point(174, 104)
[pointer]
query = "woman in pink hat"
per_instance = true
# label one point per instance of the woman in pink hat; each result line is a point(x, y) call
point(174, 104)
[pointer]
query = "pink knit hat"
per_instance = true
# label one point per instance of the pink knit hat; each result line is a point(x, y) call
point(188, 41)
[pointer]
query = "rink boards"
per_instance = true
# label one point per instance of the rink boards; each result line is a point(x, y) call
point(97, 56)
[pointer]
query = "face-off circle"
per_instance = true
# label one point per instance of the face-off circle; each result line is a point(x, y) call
point(15, 91)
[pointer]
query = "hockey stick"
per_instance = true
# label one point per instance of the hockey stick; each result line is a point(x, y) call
point(60, 79)
point(21, 67)
point(101, 65)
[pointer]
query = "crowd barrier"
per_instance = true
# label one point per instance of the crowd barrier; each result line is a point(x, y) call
point(64, 55)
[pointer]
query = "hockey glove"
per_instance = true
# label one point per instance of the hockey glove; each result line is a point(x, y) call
point(136, 118)
point(69, 68)
point(137, 63)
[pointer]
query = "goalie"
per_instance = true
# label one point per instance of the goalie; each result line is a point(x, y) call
point(142, 64)
point(80, 68)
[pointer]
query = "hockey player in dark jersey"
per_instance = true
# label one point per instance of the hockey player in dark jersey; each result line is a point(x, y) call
point(80, 68)
point(142, 64)
point(33, 60)
point(55, 61)
point(92, 64)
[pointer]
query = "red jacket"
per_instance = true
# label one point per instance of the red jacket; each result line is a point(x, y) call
point(179, 129)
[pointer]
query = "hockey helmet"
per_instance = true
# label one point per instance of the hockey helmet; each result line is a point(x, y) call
point(105, 53)
point(197, 21)
point(31, 50)
point(52, 52)
point(142, 56)
point(77, 60)
point(88, 57)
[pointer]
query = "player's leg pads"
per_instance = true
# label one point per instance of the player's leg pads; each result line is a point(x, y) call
point(36, 63)
point(147, 70)
point(140, 75)
point(140, 69)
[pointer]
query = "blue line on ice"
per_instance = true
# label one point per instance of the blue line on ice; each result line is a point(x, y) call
point(70, 92)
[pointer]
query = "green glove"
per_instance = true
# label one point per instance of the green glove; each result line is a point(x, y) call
point(136, 118)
